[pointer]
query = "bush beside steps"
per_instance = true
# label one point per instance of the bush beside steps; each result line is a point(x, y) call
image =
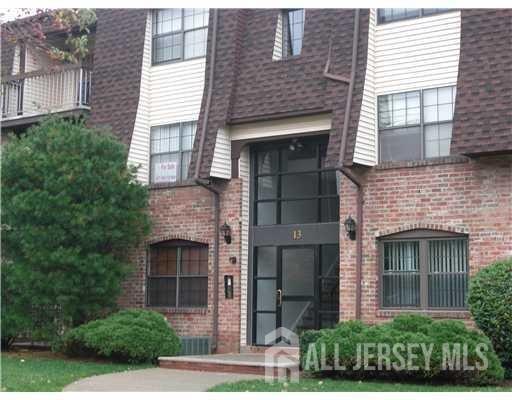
point(133, 336)
point(343, 344)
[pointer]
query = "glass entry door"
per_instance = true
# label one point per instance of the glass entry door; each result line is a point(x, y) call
point(296, 287)
point(294, 237)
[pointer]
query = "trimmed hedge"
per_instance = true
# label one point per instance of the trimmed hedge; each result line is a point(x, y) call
point(133, 336)
point(490, 303)
point(343, 345)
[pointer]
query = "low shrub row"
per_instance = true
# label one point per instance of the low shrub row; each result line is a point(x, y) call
point(133, 336)
point(411, 347)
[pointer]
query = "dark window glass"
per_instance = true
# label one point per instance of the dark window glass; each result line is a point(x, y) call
point(292, 32)
point(401, 279)
point(170, 151)
point(448, 273)
point(179, 33)
point(266, 213)
point(299, 185)
point(290, 175)
point(266, 262)
point(416, 125)
point(443, 269)
point(299, 211)
point(178, 275)
point(398, 14)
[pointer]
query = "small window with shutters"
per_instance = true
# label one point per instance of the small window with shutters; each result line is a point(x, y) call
point(424, 269)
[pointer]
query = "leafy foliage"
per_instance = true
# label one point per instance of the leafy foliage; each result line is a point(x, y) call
point(70, 209)
point(408, 334)
point(133, 336)
point(490, 303)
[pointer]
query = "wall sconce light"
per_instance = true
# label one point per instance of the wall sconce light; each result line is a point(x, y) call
point(350, 227)
point(225, 231)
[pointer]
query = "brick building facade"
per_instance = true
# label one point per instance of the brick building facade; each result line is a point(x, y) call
point(266, 136)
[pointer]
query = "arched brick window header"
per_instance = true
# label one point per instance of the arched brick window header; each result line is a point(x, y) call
point(449, 229)
point(422, 234)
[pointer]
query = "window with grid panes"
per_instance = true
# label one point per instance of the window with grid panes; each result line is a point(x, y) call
point(171, 147)
point(293, 32)
point(416, 125)
point(399, 14)
point(179, 34)
point(177, 275)
point(424, 272)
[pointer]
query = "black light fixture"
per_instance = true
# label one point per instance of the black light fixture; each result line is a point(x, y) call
point(350, 227)
point(225, 231)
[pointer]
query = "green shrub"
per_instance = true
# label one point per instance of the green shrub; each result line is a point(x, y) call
point(490, 303)
point(133, 336)
point(343, 345)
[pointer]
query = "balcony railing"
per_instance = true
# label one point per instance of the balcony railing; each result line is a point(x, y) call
point(38, 93)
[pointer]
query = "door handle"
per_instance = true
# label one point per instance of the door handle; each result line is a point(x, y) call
point(279, 297)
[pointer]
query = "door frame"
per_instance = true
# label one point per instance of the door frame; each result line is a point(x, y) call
point(315, 234)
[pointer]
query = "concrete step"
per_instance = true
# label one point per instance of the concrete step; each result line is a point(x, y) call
point(240, 363)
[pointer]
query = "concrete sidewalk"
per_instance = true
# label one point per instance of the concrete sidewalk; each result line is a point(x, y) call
point(155, 380)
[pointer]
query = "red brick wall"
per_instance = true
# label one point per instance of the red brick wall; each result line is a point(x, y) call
point(474, 197)
point(187, 213)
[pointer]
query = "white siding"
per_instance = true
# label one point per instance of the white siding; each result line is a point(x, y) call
point(221, 164)
point(176, 91)
point(365, 151)
point(417, 53)
point(286, 126)
point(278, 42)
point(244, 174)
point(169, 93)
point(138, 154)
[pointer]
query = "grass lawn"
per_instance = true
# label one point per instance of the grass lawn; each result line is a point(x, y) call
point(331, 385)
point(45, 372)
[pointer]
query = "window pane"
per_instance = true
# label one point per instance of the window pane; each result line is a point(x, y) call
point(167, 20)
point(401, 279)
point(266, 212)
point(329, 294)
point(166, 48)
point(329, 183)
point(437, 140)
point(295, 31)
point(297, 270)
point(329, 210)
point(448, 273)
point(162, 292)
point(163, 260)
point(188, 131)
point(299, 157)
point(330, 260)
point(193, 292)
point(266, 294)
point(430, 97)
point(185, 163)
point(400, 144)
point(266, 261)
point(265, 323)
point(194, 261)
point(267, 187)
point(195, 43)
point(165, 139)
point(267, 162)
point(195, 17)
point(164, 168)
point(299, 211)
point(299, 185)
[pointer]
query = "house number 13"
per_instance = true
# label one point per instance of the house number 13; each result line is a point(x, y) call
point(297, 234)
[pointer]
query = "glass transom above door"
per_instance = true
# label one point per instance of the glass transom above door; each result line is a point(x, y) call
point(292, 185)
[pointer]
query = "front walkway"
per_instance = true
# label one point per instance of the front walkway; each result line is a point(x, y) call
point(155, 380)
